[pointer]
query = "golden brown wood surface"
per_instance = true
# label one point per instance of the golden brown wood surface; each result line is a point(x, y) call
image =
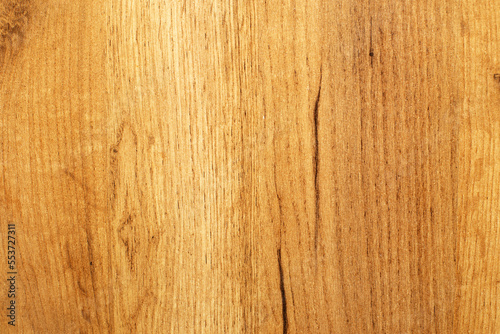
point(250, 166)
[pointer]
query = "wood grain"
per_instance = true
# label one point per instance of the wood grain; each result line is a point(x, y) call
point(478, 292)
point(264, 166)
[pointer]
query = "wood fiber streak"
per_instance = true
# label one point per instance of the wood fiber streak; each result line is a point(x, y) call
point(181, 100)
point(251, 166)
point(361, 136)
point(53, 149)
point(478, 287)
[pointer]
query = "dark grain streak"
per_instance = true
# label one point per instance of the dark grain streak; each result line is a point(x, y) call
point(316, 162)
point(371, 54)
point(283, 294)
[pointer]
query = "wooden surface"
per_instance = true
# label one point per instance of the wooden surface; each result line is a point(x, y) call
point(262, 166)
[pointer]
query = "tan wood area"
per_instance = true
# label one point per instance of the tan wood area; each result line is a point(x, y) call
point(250, 166)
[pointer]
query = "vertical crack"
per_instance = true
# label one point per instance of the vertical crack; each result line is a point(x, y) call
point(371, 54)
point(283, 295)
point(316, 161)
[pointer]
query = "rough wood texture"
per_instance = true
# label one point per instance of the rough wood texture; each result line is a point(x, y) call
point(262, 166)
point(477, 306)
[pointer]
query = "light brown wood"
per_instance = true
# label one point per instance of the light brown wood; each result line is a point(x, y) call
point(477, 306)
point(264, 166)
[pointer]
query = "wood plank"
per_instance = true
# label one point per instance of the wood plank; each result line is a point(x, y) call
point(362, 110)
point(478, 292)
point(53, 148)
point(181, 103)
point(254, 166)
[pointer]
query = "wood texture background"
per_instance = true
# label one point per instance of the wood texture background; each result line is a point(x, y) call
point(262, 166)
